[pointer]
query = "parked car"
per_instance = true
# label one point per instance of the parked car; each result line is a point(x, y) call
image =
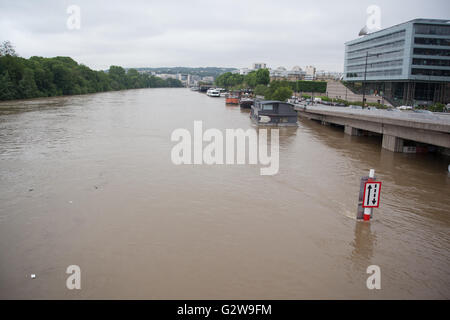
point(405, 108)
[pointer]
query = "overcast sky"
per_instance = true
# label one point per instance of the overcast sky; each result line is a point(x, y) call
point(201, 33)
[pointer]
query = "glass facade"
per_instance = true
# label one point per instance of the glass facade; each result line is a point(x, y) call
point(383, 53)
point(371, 42)
point(371, 65)
point(380, 73)
point(431, 29)
point(431, 62)
point(431, 52)
point(415, 50)
point(405, 63)
point(432, 41)
point(431, 72)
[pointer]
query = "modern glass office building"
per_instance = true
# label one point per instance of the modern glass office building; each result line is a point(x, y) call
point(407, 64)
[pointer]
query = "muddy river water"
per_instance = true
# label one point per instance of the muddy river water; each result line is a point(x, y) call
point(88, 181)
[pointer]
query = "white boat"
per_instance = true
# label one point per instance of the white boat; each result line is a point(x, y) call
point(213, 93)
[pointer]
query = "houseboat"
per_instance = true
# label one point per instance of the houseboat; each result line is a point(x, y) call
point(232, 98)
point(213, 93)
point(273, 113)
point(246, 103)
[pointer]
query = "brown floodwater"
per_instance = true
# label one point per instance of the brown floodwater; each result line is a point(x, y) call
point(88, 181)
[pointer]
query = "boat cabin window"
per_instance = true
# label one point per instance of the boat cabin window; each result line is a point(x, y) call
point(268, 107)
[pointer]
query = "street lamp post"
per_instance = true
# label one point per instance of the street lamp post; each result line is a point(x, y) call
point(364, 83)
point(365, 76)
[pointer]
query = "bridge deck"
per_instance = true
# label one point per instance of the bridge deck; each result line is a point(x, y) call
point(421, 127)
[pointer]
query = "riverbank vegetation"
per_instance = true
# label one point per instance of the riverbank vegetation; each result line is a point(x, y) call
point(254, 79)
point(260, 82)
point(277, 90)
point(238, 81)
point(347, 103)
point(437, 107)
point(35, 77)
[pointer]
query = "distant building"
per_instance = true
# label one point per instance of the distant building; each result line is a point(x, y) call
point(279, 73)
point(296, 74)
point(310, 73)
point(167, 76)
point(326, 75)
point(208, 79)
point(147, 72)
point(244, 71)
point(408, 63)
point(184, 78)
point(259, 65)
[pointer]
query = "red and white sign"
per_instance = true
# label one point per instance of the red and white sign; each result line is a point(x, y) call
point(372, 191)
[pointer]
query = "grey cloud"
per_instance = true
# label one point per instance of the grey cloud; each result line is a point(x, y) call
point(200, 33)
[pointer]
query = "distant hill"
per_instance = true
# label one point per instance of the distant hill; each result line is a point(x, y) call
point(201, 71)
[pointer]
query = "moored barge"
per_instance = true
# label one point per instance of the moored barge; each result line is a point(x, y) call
point(246, 103)
point(232, 98)
point(273, 113)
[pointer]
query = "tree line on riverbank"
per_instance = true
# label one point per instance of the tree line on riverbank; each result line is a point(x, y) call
point(283, 89)
point(35, 77)
point(238, 81)
point(260, 81)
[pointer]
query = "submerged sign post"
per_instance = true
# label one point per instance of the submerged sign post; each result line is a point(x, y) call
point(369, 196)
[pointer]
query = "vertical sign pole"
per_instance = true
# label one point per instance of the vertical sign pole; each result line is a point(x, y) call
point(368, 211)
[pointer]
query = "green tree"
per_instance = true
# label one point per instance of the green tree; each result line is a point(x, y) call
point(27, 86)
point(260, 90)
point(280, 94)
point(251, 79)
point(118, 77)
point(134, 79)
point(311, 86)
point(63, 80)
point(7, 49)
point(228, 80)
point(14, 66)
point(263, 76)
point(7, 89)
point(38, 76)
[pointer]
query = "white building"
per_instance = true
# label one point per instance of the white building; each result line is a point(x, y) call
point(244, 71)
point(167, 76)
point(328, 75)
point(310, 73)
point(208, 79)
point(259, 65)
point(280, 72)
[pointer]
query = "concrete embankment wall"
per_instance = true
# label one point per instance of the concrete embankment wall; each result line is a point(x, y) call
point(336, 90)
